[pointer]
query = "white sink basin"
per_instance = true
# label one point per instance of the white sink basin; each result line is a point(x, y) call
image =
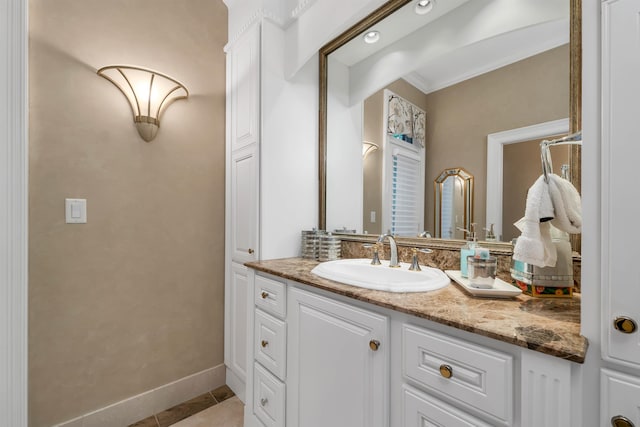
point(360, 272)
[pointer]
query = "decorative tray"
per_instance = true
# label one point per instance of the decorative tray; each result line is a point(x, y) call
point(501, 289)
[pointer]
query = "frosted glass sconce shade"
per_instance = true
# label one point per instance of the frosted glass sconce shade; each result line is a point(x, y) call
point(368, 148)
point(149, 93)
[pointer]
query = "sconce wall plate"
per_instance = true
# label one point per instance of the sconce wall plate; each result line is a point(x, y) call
point(149, 93)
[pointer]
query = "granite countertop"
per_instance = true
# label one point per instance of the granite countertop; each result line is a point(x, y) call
point(550, 326)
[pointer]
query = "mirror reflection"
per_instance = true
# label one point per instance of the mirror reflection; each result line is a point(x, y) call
point(453, 192)
point(472, 69)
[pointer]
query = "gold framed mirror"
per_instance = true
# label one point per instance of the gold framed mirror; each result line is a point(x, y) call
point(453, 207)
point(390, 8)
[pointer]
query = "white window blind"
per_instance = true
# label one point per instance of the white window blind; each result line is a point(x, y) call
point(405, 195)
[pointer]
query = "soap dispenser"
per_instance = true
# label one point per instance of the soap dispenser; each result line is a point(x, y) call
point(467, 250)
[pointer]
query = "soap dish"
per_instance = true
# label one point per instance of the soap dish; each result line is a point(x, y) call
point(501, 289)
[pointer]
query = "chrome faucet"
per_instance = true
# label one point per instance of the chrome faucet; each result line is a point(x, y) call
point(393, 258)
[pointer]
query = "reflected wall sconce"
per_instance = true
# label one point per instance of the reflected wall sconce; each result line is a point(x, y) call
point(149, 93)
point(368, 148)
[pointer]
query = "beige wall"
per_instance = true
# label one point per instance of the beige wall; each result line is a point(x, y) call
point(134, 298)
point(374, 131)
point(460, 117)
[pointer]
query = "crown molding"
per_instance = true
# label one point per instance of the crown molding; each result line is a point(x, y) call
point(301, 8)
point(283, 20)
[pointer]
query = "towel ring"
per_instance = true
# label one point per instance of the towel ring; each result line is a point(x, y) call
point(545, 153)
point(547, 164)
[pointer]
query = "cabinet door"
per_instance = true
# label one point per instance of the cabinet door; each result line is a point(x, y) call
point(620, 154)
point(620, 399)
point(244, 204)
point(237, 297)
point(337, 364)
point(244, 90)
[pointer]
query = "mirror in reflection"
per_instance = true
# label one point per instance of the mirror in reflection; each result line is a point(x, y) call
point(453, 194)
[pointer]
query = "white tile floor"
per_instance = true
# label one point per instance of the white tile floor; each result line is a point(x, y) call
point(229, 413)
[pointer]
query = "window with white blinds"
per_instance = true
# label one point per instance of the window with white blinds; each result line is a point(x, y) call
point(406, 195)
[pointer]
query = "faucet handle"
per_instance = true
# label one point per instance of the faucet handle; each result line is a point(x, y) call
point(415, 265)
point(376, 249)
point(376, 256)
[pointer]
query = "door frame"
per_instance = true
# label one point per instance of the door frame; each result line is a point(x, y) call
point(495, 147)
point(14, 218)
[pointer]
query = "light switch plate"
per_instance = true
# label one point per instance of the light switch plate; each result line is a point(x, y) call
point(75, 211)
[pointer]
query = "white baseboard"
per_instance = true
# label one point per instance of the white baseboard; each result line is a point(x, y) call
point(237, 385)
point(151, 402)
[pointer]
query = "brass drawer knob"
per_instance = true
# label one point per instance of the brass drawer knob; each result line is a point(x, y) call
point(446, 371)
point(620, 421)
point(264, 343)
point(264, 295)
point(264, 401)
point(250, 251)
point(624, 324)
point(374, 345)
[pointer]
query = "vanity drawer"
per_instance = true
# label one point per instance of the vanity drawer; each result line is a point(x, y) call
point(268, 398)
point(475, 377)
point(419, 409)
point(271, 296)
point(619, 398)
point(270, 347)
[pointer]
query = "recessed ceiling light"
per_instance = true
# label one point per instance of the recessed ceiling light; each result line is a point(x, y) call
point(371, 36)
point(424, 6)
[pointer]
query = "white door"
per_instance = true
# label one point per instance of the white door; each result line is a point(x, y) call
point(236, 325)
point(337, 364)
point(244, 90)
point(620, 204)
point(244, 204)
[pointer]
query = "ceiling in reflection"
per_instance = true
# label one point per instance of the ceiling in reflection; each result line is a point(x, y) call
point(547, 27)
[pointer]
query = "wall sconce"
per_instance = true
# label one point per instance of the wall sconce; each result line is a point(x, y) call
point(368, 148)
point(149, 93)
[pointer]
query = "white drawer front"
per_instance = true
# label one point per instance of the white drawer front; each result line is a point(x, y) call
point(422, 410)
point(270, 347)
point(481, 379)
point(620, 397)
point(268, 398)
point(271, 296)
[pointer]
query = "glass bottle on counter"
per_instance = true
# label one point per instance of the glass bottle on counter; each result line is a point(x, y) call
point(469, 249)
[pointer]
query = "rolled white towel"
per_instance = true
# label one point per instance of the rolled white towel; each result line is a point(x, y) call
point(567, 205)
point(534, 246)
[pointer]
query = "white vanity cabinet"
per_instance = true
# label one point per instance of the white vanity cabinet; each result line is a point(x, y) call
point(268, 190)
point(241, 245)
point(338, 363)
point(322, 359)
point(619, 399)
point(269, 356)
point(477, 378)
point(243, 68)
point(316, 361)
point(621, 59)
point(236, 326)
point(620, 392)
